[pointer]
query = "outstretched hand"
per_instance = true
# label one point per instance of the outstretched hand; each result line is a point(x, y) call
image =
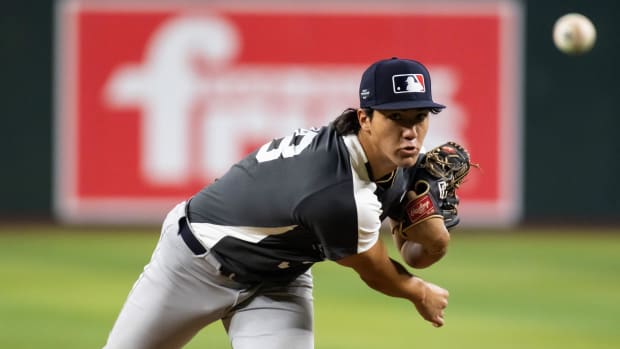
point(432, 305)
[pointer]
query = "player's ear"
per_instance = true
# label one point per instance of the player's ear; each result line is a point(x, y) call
point(363, 119)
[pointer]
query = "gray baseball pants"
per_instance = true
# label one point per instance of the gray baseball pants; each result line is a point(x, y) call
point(179, 293)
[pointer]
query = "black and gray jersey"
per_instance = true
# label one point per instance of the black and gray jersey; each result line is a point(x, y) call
point(295, 201)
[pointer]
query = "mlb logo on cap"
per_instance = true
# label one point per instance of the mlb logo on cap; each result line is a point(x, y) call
point(408, 83)
point(392, 84)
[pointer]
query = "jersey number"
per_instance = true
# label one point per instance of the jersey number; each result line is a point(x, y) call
point(288, 145)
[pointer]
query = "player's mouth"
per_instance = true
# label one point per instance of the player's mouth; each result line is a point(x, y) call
point(409, 151)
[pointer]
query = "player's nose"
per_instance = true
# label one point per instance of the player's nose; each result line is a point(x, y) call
point(409, 132)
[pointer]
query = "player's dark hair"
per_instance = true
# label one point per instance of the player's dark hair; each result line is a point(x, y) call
point(347, 123)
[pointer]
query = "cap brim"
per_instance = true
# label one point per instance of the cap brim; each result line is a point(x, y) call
point(408, 105)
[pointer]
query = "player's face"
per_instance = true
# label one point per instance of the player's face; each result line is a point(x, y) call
point(395, 137)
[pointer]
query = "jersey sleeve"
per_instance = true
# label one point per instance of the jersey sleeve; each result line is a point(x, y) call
point(345, 221)
point(368, 217)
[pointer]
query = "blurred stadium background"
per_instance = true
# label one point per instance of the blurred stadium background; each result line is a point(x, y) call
point(541, 273)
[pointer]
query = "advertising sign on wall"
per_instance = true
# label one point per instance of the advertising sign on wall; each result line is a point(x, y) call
point(156, 100)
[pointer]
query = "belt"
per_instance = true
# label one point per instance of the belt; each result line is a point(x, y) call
point(197, 248)
point(189, 238)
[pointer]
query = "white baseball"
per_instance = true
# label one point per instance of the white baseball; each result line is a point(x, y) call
point(574, 33)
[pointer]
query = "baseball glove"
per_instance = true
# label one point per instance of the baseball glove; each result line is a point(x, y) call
point(440, 172)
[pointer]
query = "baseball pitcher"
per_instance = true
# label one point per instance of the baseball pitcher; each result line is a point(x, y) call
point(240, 251)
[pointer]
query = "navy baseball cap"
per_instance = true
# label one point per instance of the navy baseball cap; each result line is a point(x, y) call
point(395, 83)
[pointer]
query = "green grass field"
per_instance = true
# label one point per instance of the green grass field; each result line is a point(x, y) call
point(62, 288)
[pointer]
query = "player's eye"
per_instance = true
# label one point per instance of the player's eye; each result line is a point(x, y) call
point(421, 116)
point(395, 116)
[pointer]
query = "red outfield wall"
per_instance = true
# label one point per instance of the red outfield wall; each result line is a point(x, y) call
point(157, 100)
